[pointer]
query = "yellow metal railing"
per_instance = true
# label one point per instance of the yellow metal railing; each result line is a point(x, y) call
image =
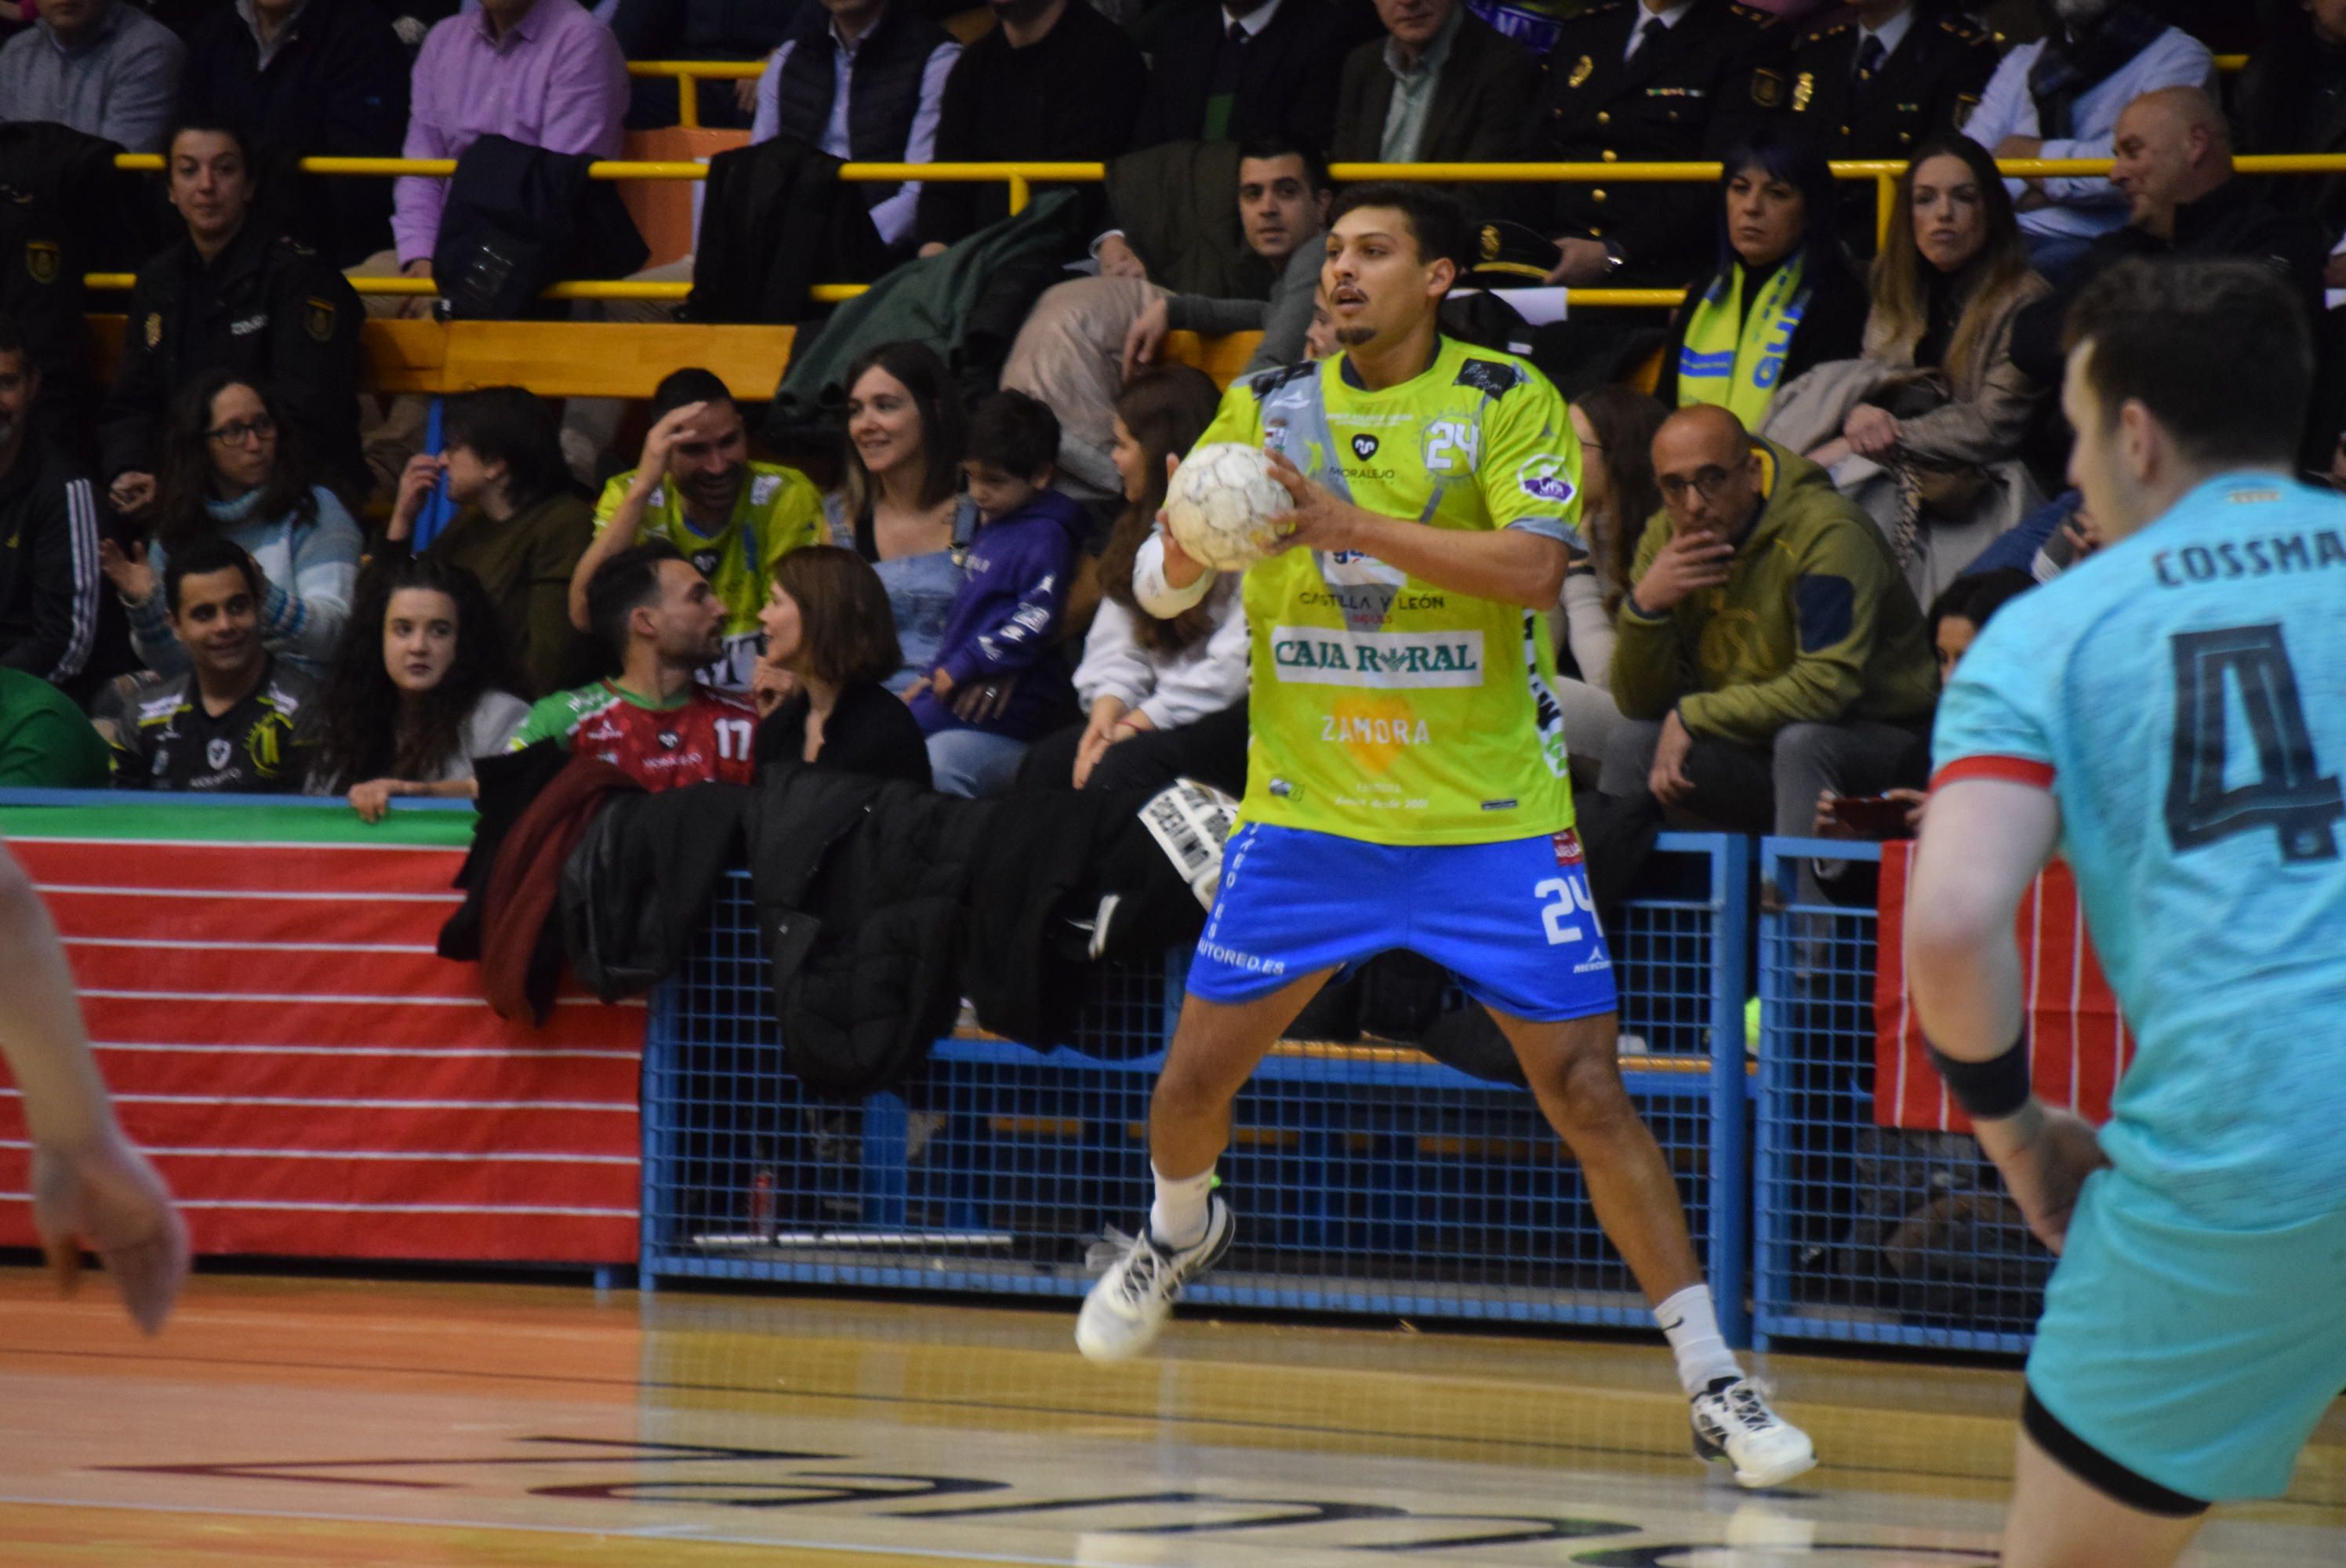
point(1020, 178)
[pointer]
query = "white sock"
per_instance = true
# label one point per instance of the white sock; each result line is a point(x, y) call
point(1690, 1323)
point(1178, 1218)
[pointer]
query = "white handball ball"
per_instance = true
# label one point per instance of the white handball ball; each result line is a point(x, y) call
point(1220, 504)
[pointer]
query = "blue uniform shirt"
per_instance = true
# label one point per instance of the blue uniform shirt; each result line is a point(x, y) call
point(2183, 695)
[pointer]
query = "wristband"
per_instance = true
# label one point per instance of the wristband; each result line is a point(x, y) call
point(1988, 1091)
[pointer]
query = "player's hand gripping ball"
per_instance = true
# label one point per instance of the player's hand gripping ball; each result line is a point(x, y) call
point(1222, 503)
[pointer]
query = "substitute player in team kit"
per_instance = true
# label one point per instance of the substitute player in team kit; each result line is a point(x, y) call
point(2171, 716)
point(1406, 781)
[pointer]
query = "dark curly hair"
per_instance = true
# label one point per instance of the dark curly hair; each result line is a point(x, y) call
point(369, 733)
point(183, 480)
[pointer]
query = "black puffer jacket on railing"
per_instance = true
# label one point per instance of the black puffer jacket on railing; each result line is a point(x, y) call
point(862, 889)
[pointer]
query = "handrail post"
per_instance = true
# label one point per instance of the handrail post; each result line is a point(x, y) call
point(1021, 192)
point(687, 101)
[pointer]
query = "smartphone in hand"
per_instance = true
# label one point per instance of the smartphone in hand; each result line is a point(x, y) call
point(1869, 816)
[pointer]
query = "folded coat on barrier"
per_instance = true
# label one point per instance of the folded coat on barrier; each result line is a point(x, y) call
point(1954, 484)
point(880, 904)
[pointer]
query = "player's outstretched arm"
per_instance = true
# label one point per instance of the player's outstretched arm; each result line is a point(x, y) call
point(89, 1183)
point(1512, 565)
point(1984, 843)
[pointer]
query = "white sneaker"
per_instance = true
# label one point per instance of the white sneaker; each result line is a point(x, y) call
point(1126, 1310)
point(1732, 1423)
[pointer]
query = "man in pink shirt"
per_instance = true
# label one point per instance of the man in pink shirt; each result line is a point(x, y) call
point(541, 71)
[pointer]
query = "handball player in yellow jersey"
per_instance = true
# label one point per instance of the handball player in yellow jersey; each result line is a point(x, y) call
point(1406, 782)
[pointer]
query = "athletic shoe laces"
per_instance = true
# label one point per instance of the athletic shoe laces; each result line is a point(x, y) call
point(1142, 1268)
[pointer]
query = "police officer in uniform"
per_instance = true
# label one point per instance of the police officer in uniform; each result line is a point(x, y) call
point(1651, 81)
point(1877, 78)
point(232, 293)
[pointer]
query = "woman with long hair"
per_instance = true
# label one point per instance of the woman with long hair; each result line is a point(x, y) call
point(1783, 298)
point(522, 528)
point(1615, 427)
point(1948, 419)
point(899, 505)
point(1148, 686)
point(232, 466)
point(829, 631)
point(416, 691)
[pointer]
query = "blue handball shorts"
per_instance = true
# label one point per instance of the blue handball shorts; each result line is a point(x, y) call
point(1514, 920)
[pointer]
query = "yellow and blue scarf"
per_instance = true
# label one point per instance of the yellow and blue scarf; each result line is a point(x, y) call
point(1737, 362)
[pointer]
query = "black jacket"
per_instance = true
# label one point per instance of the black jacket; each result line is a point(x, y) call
point(266, 307)
point(862, 889)
point(1928, 84)
point(335, 88)
point(54, 620)
point(1481, 110)
point(883, 86)
point(1073, 95)
point(2232, 222)
point(2292, 99)
point(65, 211)
point(637, 888)
point(871, 731)
point(519, 218)
point(1689, 96)
point(879, 906)
point(777, 220)
point(1285, 77)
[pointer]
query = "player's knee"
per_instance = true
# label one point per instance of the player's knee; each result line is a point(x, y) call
point(1184, 1091)
point(1582, 1088)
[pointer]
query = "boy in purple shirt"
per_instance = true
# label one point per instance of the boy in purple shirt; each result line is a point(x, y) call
point(999, 679)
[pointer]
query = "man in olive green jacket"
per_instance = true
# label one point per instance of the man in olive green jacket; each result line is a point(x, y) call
point(1770, 650)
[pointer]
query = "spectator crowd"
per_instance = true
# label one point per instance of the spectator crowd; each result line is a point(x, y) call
point(227, 565)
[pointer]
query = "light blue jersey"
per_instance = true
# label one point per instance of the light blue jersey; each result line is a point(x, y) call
point(2183, 695)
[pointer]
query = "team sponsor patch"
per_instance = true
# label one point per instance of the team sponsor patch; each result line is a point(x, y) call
point(1490, 377)
point(1545, 479)
point(1568, 847)
point(1324, 655)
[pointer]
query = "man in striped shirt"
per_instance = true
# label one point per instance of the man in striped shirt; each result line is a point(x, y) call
point(50, 607)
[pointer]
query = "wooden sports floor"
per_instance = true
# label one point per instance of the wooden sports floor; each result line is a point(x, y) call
point(283, 1421)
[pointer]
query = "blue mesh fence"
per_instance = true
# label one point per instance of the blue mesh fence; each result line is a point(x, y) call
point(1366, 1177)
point(1863, 1233)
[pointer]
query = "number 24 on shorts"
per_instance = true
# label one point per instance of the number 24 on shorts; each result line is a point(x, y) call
point(1561, 896)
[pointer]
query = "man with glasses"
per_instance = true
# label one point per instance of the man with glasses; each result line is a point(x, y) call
point(1770, 650)
point(233, 294)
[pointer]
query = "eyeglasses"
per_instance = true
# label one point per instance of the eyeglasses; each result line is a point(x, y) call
point(260, 427)
point(1706, 482)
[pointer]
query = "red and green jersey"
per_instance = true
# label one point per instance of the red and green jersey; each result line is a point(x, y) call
point(701, 736)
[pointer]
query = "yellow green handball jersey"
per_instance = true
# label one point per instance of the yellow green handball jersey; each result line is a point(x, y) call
point(1382, 708)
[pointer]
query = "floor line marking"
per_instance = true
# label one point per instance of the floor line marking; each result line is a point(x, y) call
point(664, 1531)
